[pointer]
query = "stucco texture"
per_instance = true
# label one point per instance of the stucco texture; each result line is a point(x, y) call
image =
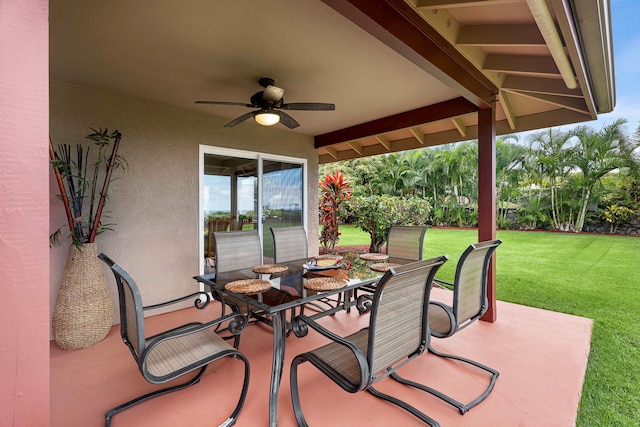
point(155, 205)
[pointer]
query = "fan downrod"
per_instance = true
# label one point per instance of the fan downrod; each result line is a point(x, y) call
point(266, 81)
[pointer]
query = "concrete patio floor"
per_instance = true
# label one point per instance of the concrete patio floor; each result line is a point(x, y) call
point(541, 355)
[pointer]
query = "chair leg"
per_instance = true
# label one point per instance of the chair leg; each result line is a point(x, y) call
point(295, 394)
point(243, 395)
point(405, 406)
point(462, 407)
point(148, 396)
point(196, 379)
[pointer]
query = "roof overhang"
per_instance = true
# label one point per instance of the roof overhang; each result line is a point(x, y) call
point(403, 73)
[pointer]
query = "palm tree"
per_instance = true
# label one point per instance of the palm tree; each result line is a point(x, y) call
point(549, 149)
point(510, 159)
point(597, 154)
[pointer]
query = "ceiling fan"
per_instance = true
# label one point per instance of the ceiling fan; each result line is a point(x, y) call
point(269, 104)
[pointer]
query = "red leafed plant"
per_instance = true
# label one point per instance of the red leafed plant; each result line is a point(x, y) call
point(334, 191)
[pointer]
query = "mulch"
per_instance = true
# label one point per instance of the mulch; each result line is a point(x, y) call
point(358, 248)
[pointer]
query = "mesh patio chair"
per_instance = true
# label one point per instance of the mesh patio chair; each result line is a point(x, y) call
point(406, 242)
point(290, 243)
point(171, 354)
point(397, 333)
point(469, 304)
point(237, 250)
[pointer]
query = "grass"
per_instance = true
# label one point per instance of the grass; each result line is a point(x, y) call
point(593, 276)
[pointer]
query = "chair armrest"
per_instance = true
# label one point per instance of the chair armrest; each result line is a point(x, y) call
point(444, 283)
point(198, 302)
point(237, 324)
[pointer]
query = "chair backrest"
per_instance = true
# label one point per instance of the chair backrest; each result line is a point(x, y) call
point(406, 242)
point(131, 308)
point(470, 283)
point(398, 326)
point(236, 250)
point(290, 243)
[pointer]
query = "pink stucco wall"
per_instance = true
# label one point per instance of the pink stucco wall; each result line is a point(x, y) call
point(24, 213)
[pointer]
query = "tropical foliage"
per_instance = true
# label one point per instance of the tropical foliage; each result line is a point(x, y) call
point(554, 179)
point(335, 189)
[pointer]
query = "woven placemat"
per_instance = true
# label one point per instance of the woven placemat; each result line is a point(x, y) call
point(270, 268)
point(329, 256)
point(248, 286)
point(374, 257)
point(324, 283)
point(383, 266)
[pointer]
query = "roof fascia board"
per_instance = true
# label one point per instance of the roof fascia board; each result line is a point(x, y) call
point(586, 28)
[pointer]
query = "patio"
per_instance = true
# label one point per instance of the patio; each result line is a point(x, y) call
point(541, 368)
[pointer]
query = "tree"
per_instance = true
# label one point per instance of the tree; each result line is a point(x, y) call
point(509, 170)
point(334, 191)
point(597, 154)
point(548, 154)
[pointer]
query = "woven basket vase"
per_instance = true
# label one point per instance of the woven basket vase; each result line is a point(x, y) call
point(83, 314)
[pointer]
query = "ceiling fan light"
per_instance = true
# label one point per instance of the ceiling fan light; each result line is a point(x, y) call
point(267, 118)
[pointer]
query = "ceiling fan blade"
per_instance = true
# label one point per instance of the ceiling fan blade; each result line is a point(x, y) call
point(318, 106)
point(242, 104)
point(287, 120)
point(240, 119)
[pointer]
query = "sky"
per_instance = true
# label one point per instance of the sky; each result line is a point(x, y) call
point(625, 20)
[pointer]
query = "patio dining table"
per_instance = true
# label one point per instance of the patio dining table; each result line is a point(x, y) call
point(287, 291)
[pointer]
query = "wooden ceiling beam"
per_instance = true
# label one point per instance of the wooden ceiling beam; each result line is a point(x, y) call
point(507, 108)
point(539, 85)
point(355, 146)
point(451, 4)
point(384, 141)
point(576, 104)
point(399, 26)
point(417, 134)
point(331, 151)
point(431, 113)
point(500, 35)
point(521, 64)
point(459, 124)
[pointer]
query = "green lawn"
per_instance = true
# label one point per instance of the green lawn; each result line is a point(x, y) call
point(592, 276)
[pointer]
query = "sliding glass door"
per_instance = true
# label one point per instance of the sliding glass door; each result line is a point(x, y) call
point(242, 190)
point(283, 203)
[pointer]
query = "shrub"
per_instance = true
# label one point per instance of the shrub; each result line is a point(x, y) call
point(376, 214)
point(616, 215)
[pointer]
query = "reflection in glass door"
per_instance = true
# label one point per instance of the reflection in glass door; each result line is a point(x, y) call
point(229, 200)
point(282, 199)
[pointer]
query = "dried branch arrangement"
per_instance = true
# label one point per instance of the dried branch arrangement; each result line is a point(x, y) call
point(79, 176)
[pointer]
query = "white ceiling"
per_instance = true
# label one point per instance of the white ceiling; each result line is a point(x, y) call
point(177, 52)
point(182, 51)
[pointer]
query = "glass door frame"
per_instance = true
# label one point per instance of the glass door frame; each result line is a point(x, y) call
point(259, 157)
